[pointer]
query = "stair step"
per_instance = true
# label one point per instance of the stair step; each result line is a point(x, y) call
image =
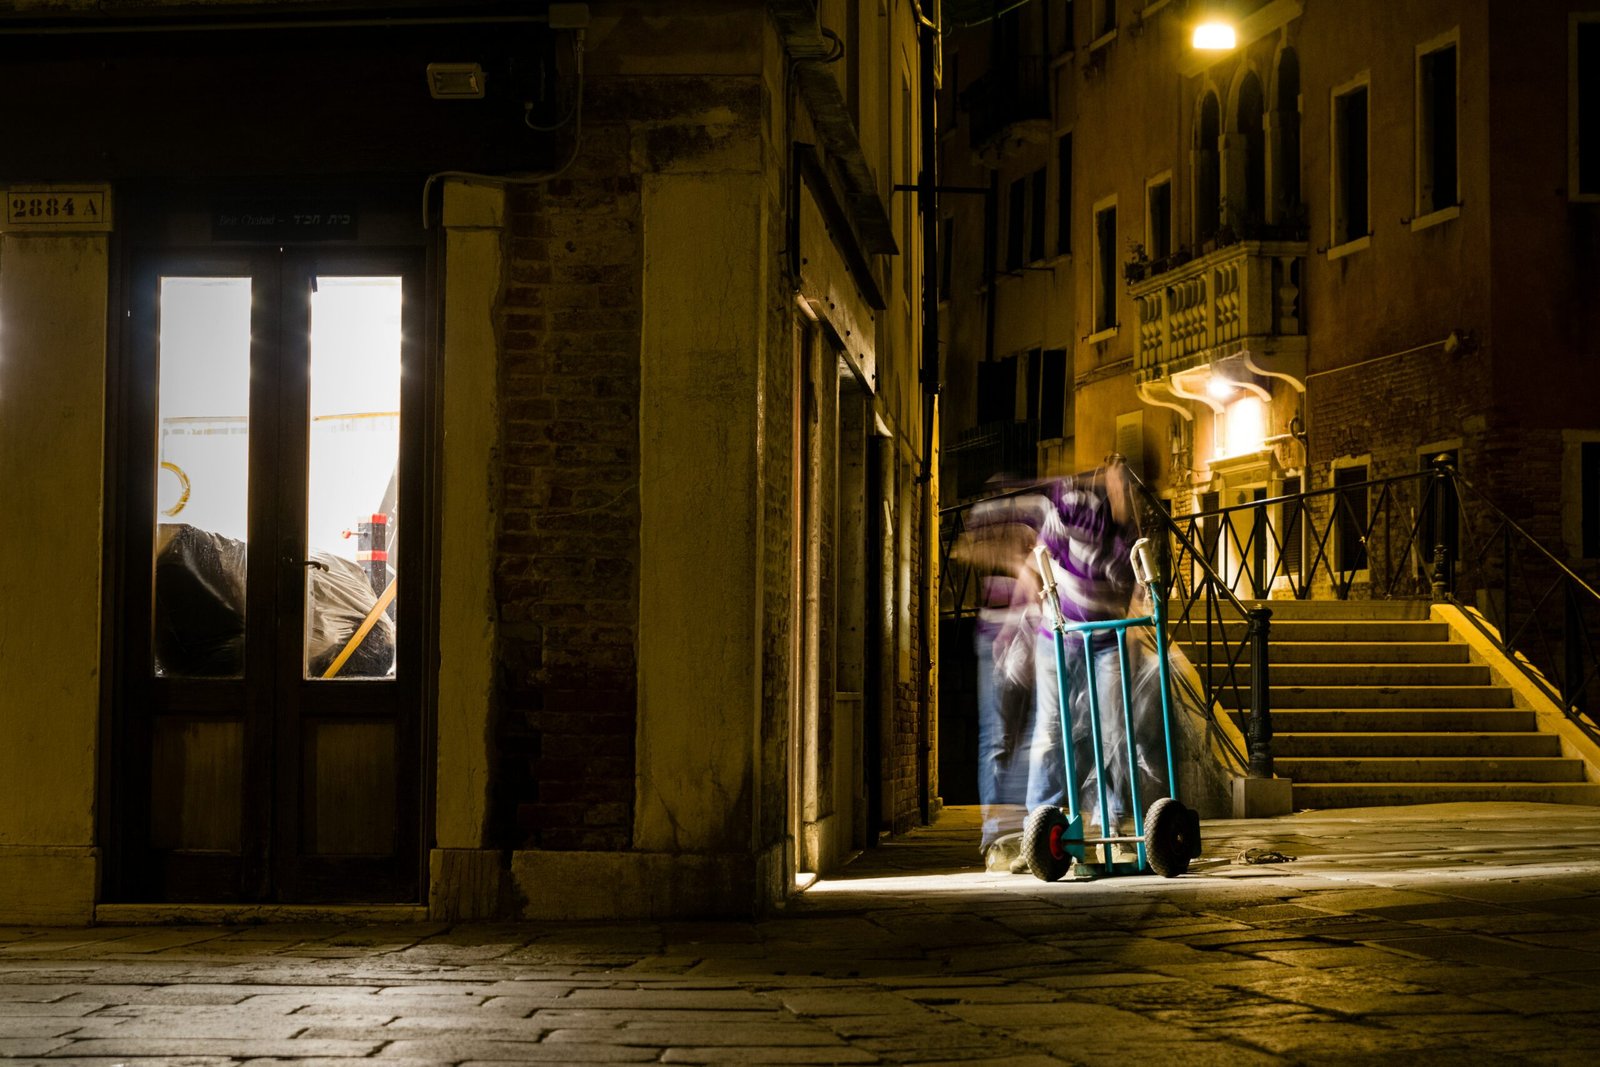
point(1195, 630)
point(1361, 745)
point(1323, 770)
point(1401, 720)
point(1348, 652)
point(1358, 674)
point(1334, 609)
point(1374, 696)
point(1383, 794)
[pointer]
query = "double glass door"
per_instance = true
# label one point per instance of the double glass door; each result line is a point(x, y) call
point(267, 712)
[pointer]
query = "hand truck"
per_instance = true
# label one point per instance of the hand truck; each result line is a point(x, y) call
point(1167, 837)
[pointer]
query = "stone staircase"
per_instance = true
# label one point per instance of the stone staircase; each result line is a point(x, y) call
point(1374, 704)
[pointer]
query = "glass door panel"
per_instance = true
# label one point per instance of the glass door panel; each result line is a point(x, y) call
point(202, 476)
point(353, 478)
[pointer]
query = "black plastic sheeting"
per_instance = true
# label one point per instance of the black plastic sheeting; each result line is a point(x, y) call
point(200, 604)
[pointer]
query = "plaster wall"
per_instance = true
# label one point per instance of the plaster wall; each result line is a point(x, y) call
point(700, 529)
point(52, 453)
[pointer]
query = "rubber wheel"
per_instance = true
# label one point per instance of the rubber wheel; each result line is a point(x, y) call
point(1171, 837)
point(1042, 845)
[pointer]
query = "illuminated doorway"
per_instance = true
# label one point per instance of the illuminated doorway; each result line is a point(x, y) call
point(271, 611)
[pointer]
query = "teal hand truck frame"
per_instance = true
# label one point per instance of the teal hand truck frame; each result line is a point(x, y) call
point(1166, 837)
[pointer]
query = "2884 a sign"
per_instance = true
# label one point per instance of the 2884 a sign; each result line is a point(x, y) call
point(49, 208)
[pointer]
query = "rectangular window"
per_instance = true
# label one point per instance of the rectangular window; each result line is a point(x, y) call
point(1158, 218)
point(1130, 440)
point(1583, 108)
point(1058, 25)
point(1105, 267)
point(1590, 474)
point(1350, 518)
point(997, 390)
point(1103, 17)
point(1053, 394)
point(1437, 167)
point(1064, 194)
point(908, 201)
point(1289, 550)
point(1016, 222)
point(947, 242)
point(1036, 209)
point(1350, 164)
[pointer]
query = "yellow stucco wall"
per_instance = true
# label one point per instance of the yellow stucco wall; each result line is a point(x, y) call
point(52, 415)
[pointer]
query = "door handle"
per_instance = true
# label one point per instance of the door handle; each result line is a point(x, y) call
point(314, 563)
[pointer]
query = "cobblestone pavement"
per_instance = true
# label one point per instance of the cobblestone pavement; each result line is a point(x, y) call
point(1434, 933)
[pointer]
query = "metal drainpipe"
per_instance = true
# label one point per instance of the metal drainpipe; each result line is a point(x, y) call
point(928, 205)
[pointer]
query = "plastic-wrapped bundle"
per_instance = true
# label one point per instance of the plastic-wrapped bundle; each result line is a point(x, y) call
point(1203, 776)
point(341, 599)
point(200, 608)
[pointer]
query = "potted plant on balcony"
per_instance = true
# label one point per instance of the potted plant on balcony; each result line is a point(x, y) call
point(1138, 266)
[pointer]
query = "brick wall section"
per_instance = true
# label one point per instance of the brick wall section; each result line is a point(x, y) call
point(902, 769)
point(1387, 410)
point(566, 576)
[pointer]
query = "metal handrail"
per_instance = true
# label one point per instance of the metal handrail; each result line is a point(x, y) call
point(1258, 724)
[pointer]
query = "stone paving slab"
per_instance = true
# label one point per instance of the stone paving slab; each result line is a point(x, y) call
point(1434, 934)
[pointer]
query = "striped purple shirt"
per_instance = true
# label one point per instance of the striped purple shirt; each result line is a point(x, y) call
point(1094, 576)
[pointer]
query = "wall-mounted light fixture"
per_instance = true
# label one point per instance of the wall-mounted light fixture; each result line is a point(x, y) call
point(1214, 35)
point(455, 81)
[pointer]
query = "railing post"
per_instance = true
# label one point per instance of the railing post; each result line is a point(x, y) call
point(1260, 695)
point(1441, 565)
point(1572, 645)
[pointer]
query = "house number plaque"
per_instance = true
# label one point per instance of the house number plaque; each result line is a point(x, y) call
point(57, 208)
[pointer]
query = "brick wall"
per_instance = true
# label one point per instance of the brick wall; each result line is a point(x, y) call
point(566, 576)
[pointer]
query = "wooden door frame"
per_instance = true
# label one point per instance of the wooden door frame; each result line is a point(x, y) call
point(146, 233)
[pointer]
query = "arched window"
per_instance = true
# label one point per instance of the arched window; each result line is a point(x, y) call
point(1286, 203)
point(1250, 202)
point(1207, 170)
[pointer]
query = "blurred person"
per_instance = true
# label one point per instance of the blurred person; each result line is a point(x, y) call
point(1087, 533)
point(999, 539)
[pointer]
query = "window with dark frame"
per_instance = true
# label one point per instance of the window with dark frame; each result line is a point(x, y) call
point(1036, 210)
point(1064, 194)
point(1052, 394)
point(1103, 16)
point(1058, 15)
point(1350, 166)
point(1105, 271)
point(1585, 106)
point(1437, 187)
point(947, 243)
point(1158, 220)
point(1016, 222)
point(1589, 475)
point(1290, 549)
point(1350, 518)
point(997, 391)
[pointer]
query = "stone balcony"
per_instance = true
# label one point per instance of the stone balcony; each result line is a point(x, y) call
point(1239, 304)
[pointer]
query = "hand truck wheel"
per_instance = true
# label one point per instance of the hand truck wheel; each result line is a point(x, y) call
point(1042, 843)
point(1171, 837)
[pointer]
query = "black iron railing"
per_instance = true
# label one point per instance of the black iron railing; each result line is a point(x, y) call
point(1530, 603)
point(1431, 534)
